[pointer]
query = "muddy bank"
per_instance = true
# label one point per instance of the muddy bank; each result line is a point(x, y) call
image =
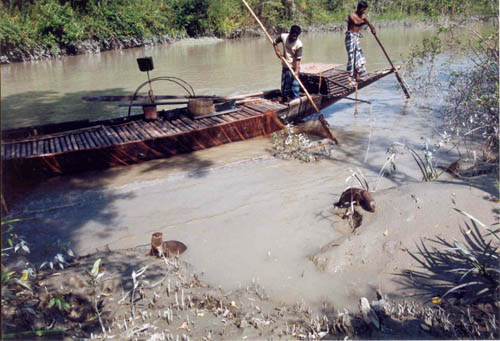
point(11, 54)
point(168, 301)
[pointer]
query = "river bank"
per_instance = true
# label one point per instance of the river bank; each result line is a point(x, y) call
point(268, 255)
point(401, 247)
point(11, 54)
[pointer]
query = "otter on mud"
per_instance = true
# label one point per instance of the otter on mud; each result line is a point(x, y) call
point(359, 197)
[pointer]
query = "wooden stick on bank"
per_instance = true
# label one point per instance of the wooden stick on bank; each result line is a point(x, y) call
point(324, 123)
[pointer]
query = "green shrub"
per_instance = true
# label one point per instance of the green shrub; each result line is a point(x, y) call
point(57, 23)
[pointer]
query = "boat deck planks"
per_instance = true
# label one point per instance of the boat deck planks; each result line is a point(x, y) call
point(137, 130)
point(72, 147)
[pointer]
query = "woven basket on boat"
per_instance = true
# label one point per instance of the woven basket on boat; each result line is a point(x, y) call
point(330, 83)
point(200, 107)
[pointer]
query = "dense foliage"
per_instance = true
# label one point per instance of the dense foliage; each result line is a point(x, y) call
point(471, 110)
point(28, 24)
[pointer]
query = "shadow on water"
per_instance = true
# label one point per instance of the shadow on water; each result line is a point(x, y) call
point(34, 108)
point(57, 209)
point(194, 166)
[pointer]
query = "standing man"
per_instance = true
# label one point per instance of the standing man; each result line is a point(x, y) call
point(292, 53)
point(355, 58)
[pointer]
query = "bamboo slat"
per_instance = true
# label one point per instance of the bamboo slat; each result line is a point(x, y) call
point(189, 123)
point(23, 149)
point(204, 122)
point(46, 146)
point(73, 142)
point(90, 139)
point(179, 124)
point(102, 134)
point(110, 136)
point(80, 141)
point(161, 126)
point(40, 147)
point(171, 129)
point(96, 138)
point(8, 151)
point(144, 126)
point(152, 132)
point(140, 132)
point(52, 146)
point(124, 136)
point(62, 141)
point(28, 149)
point(218, 120)
point(129, 132)
point(155, 129)
point(250, 111)
point(58, 145)
point(116, 138)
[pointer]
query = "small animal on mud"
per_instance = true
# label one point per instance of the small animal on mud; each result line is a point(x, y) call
point(359, 196)
point(173, 248)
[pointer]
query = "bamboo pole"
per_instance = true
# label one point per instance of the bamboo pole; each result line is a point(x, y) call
point(356, 99)
point(400, 80)
point(4, 206)
point(322, 120)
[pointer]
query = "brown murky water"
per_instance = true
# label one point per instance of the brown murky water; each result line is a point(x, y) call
point(50, 90)
point(244, 215)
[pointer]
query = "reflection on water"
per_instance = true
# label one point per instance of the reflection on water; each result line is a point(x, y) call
point(50, 90)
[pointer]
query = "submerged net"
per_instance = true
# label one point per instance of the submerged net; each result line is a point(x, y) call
point(294, 143)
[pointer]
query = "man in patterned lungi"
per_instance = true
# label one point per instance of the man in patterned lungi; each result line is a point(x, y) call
point(292, 52)
point(355, 58)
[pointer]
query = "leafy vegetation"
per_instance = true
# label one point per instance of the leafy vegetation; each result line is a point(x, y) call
point(470, 111)
point(60, 24)
point(463, 272)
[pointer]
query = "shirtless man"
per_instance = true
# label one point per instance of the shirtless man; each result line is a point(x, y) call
point(355, 58)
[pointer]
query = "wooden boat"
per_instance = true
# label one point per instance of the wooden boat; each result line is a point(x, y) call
point(35, 152)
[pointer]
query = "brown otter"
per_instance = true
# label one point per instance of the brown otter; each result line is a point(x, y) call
point(172, 248)
point(359, 197)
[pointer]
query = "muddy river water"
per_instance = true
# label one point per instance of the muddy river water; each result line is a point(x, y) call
point(243, 215)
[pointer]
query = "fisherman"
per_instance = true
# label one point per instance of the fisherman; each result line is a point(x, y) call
point(292, 53)
point(355, 59)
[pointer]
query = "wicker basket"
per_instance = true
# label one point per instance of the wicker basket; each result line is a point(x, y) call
point(200, 107)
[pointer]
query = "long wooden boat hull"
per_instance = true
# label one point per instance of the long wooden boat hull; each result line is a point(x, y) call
point(37, 152)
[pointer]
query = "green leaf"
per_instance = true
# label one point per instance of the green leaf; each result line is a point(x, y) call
point(95, 268)
point(10, 221)
point(52, 302)
point(479, 222)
